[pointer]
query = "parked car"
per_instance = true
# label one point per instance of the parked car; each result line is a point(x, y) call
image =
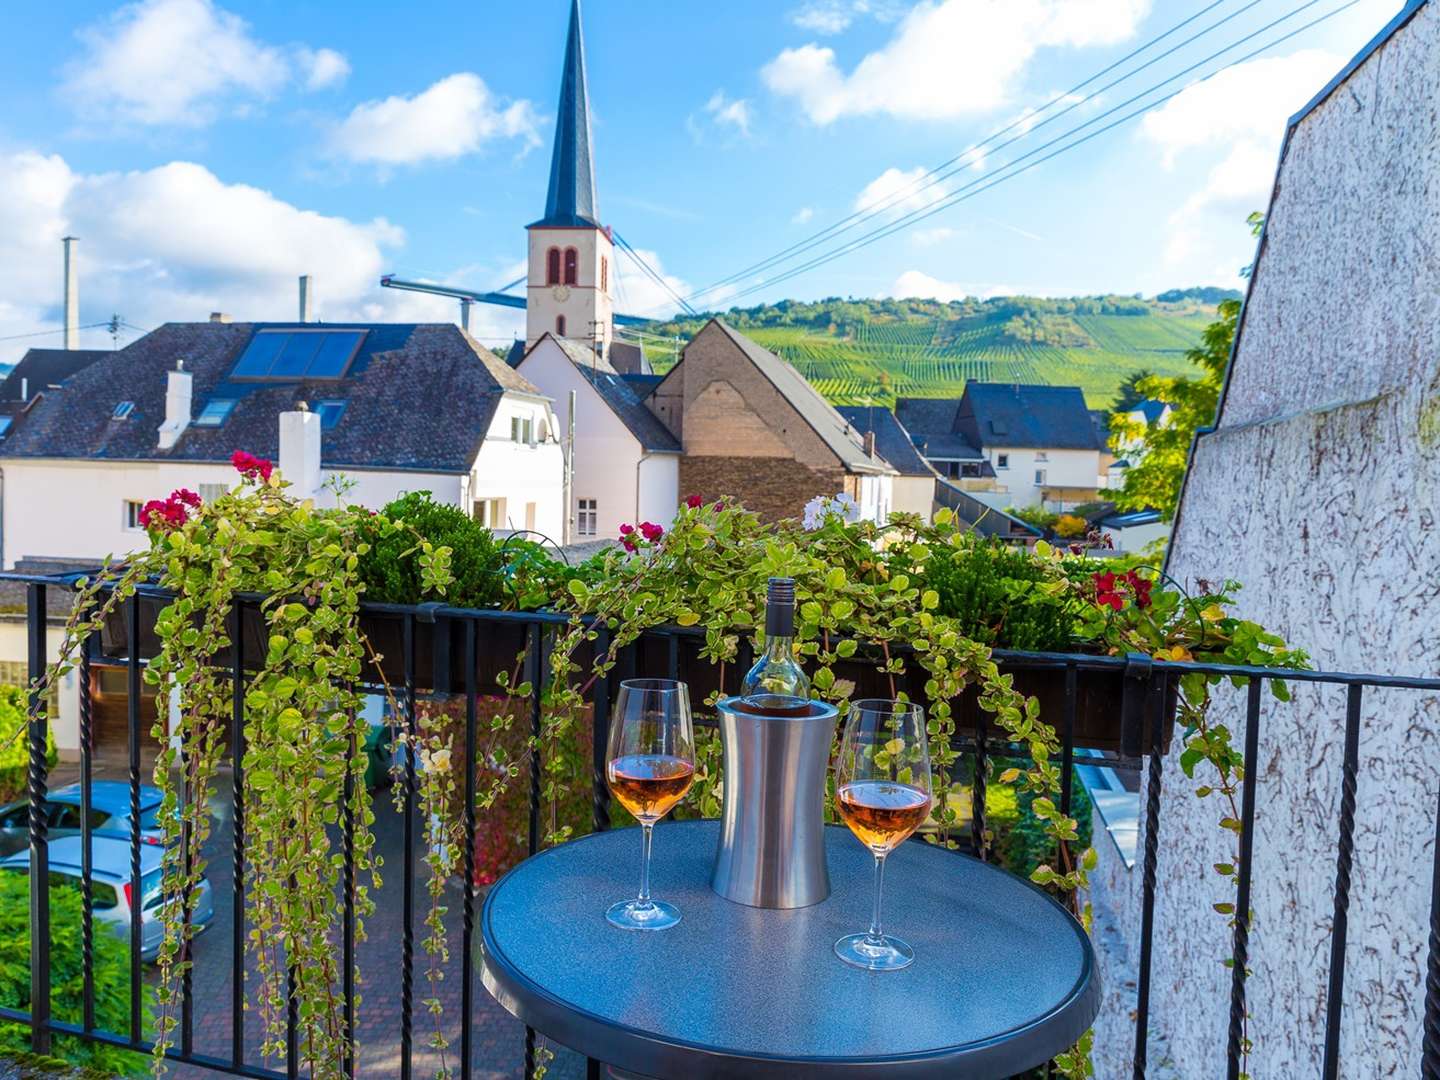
point(109, 814)
point(111, 885)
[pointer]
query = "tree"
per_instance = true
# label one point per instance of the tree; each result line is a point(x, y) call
point(1129, 395)
point(1158, 454)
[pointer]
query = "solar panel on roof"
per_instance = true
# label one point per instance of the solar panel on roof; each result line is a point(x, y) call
point(298, 354)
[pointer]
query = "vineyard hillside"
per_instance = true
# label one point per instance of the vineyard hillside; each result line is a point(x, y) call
point(855, 351)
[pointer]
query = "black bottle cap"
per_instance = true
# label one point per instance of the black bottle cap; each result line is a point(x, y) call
point(780, 607)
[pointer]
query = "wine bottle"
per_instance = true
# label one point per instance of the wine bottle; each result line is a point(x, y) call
point(776, 684)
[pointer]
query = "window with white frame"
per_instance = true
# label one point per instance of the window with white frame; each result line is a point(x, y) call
point(132, 510)
point(1002, 461)
point(1039, 477)
point(210, 492)
point(490, 513)
point(522, 430)
point(587, 517)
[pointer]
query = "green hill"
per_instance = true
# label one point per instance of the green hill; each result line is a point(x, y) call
point(854, 351)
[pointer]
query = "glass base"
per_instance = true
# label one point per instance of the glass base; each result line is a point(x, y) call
point(646, 915)
point(874, 954)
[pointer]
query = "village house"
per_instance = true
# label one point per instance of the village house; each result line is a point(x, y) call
point(913, 485)
point(1041, 442)
point(383, 408)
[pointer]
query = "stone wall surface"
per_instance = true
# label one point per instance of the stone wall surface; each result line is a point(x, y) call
point(1319, 491)
point(772, 487)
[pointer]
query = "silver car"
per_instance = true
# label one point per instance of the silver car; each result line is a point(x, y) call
point(111, 885)
point(109, 812)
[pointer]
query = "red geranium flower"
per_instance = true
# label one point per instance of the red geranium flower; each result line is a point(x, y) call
point(167, 514)
point(1105, 594)
point(252, 467)
point(694, 502)
point(186, 496)
point(651, 531)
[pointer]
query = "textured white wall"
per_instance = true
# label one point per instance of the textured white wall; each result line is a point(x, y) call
point(1319, 490)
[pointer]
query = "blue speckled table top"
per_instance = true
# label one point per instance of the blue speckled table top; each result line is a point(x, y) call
point(1003, 977)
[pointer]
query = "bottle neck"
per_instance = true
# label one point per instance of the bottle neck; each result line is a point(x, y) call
point(780, 647)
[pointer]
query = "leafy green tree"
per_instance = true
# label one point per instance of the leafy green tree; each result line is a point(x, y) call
point(1129, 395)
point(1158, 454)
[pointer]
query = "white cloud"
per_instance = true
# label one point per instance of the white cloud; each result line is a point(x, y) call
point(803, 215)
point(324, 68)
point(932, 237)
point(947, 58)
point(454, 117)
point(731, 113)
point(1242, 111)
point(180, 61)
point(835, 16)
point(898, 191)
point(1251, 100)
point(176, 242)
point(916, 283)
point(637, 294)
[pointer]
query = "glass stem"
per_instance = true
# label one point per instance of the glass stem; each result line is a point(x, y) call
point(875, 936)
point(643, 900)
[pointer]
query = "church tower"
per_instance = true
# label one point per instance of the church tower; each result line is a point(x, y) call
point(571, 254)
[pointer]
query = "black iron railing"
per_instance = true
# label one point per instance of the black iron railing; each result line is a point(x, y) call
point(658, 653)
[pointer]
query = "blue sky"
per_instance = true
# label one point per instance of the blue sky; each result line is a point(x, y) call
point(206, 153)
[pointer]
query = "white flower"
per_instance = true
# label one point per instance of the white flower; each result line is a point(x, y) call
point(440, 760)
point(821, 507)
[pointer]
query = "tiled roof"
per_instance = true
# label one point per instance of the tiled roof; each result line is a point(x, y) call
point(931, 423)
point(41, 369)
point(417, 396)
point(629, 359)
point(807, 401)
point(615, 391)
point(892, 441)
point(1029, 415)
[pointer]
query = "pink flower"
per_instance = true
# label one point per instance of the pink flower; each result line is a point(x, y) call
point(186, 496)
point(694, 502)
point(627, 539)
point(651, 531)
point(158, 515)
point(252, 467)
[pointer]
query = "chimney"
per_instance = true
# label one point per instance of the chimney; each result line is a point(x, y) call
point(177, 406)
point(870, 443)
point(307, 298)
point(72, 296)
point(219, 317)
point(300, 451)
point(24, 388)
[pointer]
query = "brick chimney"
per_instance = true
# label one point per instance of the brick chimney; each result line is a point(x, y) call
point(300, 451)
point(177, 406)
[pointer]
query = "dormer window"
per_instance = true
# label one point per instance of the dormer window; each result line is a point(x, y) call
point(572, 266)
point(122, 410)
point(552, 267)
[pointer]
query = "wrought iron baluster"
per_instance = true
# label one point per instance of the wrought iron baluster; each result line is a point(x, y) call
point(1147, 898)
point(977, 790)
point(600, 736)
point(87, 863)
point(407, 971)
point(237, 814)
point(347, 928)
point(467, 979)
point(39, 827)
point(1240, 955)
point(1339, 924)
point(133, 723)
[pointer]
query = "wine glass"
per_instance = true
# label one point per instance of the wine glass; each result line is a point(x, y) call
point(883, 792)
point(650, 766)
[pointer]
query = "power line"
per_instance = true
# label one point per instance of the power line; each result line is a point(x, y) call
point(57, 330)
point(651, 273)
point(932, 177)
point(976, 187)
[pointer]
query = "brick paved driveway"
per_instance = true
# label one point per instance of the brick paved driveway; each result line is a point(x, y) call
point(499, 1040)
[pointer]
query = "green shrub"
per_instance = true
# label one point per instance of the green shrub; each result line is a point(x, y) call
point(1035, 515)
point(112, 978)
point(994, 590)
point(14, 745)
point(390, 570)
point(1020, 842)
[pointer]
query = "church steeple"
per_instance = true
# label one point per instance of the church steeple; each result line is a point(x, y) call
point(571, 200)
point(570, 251)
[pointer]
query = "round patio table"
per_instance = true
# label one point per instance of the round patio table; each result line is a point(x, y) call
point(1003, 979)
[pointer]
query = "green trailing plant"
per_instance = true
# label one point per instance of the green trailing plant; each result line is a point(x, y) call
point(302, 766)
point(14, 748)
